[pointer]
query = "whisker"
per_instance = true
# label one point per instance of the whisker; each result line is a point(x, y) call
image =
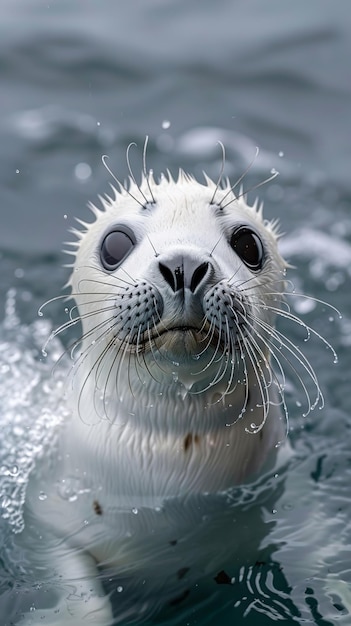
point(125, 352)
point(106, 283)
point(72, 322)
point(98, 366)
point(152, 246)
point(232, 360)
point(293, 318)
point(247, 169)
point(220, 177)
point(262, 385)
point(288, 345)
point(252, 330)
point(120, 185)
point(156, 361)
point(216, 244)
point(131, 173)
point(216, 350)
point(80, 360)
point(253, 188)
point(146, 175)
point(51, 300)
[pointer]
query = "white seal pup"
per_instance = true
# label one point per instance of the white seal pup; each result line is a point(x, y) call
point(174, 396)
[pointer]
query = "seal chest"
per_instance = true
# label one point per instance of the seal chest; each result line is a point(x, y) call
point(177, 285)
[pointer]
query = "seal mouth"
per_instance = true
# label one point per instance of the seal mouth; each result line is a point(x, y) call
point(180, 329)
point(195, 340)
point(180, 340)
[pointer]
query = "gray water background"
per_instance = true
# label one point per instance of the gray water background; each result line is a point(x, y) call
point(81, 79)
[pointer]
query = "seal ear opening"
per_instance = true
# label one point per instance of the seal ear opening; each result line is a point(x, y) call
point(248, 246)
point(116, 245)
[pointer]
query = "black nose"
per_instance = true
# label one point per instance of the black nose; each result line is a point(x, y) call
point(183, 272)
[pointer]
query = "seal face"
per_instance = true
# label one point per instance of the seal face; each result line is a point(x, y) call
point(177, 280)
point(174, 399)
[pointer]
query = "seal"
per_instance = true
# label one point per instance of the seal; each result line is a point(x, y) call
point(174, 398)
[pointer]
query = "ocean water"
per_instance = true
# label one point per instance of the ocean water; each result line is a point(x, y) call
point(83, 79)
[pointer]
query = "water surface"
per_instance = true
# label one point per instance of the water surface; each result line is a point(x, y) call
point(78, 80)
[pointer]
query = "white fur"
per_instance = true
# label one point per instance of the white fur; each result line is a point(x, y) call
point(151, 433)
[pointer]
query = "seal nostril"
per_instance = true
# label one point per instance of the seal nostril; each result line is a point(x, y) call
point(180, 274)
point(198, 276)
point(168, 276)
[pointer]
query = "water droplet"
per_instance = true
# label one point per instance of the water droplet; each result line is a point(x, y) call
point(82, 171)
point(17, 171)
point(274, 511)
point(120, 589)
point(135, 510)
point(166, 124)
point(98, 123)
point(281, 153)
point(42, 496)
point(65, 216)
point(19, 272)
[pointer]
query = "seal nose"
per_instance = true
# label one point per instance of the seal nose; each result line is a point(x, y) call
point(183, 272)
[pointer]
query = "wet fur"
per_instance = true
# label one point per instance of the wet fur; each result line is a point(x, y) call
point(174, 394)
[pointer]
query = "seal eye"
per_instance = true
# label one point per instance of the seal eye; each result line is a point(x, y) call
point(248, 247)
point(115, 247)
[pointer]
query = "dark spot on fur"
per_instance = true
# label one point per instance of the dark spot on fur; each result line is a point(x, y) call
point(97, 507)
point(260, 563)
point(188, 441)
point(173, 542)
point(261, 435)
point(182, 572)
point(222, 578)
point(180, 598)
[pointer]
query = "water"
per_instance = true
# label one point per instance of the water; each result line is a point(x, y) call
point(79, 81)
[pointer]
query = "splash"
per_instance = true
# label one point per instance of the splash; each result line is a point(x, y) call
point(31, 409)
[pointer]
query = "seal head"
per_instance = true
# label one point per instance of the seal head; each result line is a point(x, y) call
point(177, 282)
